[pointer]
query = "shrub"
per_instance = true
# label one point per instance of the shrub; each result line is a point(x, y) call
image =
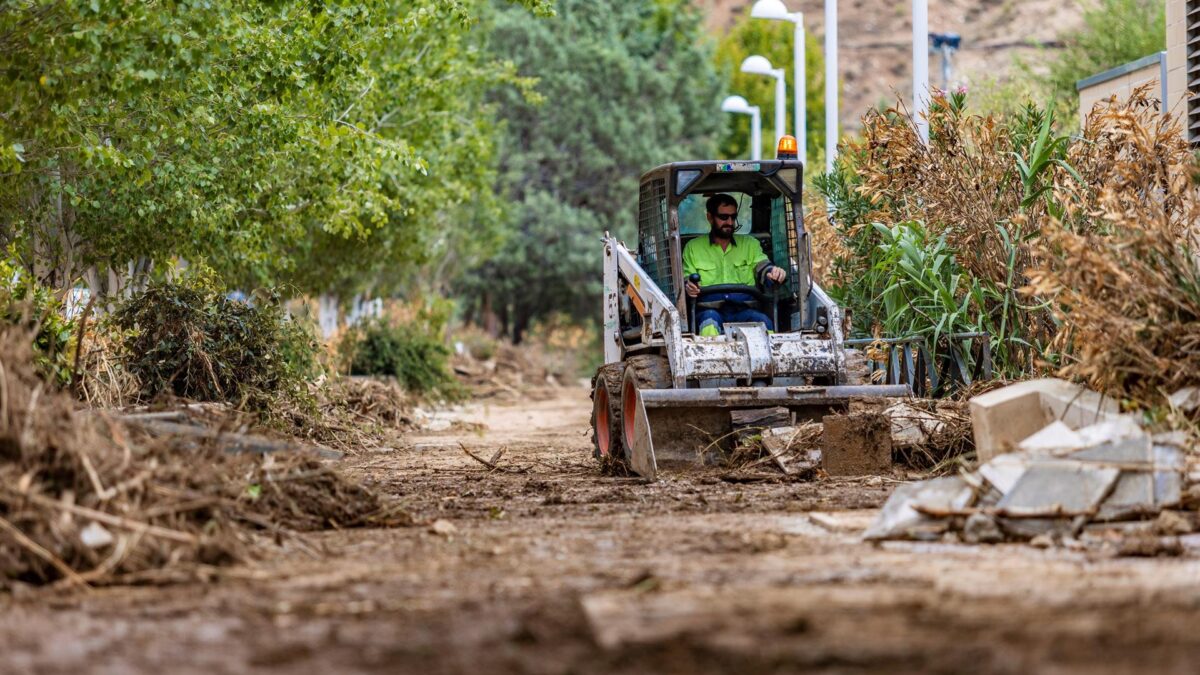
point(26, 304)
point(1122, 270)
point(978, 189)
point(412, 350)
point(568, 349)
point(1114, 32)
point(188, 339)
point(418, 361)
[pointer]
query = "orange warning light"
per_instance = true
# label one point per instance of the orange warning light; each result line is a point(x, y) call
point(787, 148)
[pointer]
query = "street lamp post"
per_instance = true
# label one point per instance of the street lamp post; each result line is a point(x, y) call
point(831, 84)
point(738, 105)
point(920, 52)
point(775, 10)
point(759, 65)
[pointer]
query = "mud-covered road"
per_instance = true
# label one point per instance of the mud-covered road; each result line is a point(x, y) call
point(544, 566)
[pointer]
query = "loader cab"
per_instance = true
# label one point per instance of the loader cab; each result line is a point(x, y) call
point(671, 213)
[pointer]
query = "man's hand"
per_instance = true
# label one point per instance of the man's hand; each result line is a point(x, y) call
point(691, 289)
point(777, 274)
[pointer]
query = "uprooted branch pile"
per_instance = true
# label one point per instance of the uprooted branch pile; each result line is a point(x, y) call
point(926, 435)
point(86, 498)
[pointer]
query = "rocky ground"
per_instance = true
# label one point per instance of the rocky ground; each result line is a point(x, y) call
point(542, 565)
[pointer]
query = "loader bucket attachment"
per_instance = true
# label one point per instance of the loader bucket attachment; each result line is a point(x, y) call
point(681, 427)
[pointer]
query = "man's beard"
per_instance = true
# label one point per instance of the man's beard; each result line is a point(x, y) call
point(724, 231)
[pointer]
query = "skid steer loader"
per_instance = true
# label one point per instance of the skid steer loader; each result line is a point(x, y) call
point(665, 393)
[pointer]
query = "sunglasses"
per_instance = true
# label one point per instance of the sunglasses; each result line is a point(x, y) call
point(724, 216)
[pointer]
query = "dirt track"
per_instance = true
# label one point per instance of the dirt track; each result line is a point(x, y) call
point(555, 569)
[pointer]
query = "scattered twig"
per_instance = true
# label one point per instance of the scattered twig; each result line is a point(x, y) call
point(490, 465)
point(37, 549)
point(108, 518)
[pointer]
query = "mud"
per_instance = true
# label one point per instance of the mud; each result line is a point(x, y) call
point(552, 568)
point(858, 444)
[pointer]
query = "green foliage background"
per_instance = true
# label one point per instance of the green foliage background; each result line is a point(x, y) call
point(310, 142)
point(623, 87)
point(1114, 32)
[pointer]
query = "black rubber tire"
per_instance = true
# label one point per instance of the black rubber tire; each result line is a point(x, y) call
point(611, 376)
point(652, 372)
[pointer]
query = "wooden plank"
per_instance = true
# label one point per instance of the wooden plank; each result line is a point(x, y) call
point(761, 418)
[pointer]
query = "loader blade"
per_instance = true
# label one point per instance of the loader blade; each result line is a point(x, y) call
point(669, 428)
point(641, 444)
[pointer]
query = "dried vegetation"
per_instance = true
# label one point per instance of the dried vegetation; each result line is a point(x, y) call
point(1121, 267)
point(91, 498)
point(1075, 253)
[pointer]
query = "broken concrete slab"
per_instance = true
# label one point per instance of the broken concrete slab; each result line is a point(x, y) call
point(1176, 439)
point(900, 519)
point(1053, 438)
point(981, 528)
point(1186, 400)
point(1059, 489)
point(911, 427)
point(1135, 454)
point(1003, 472)
point(1002, 418)
point(1112, 430)
point(857, 444)
point(1132, 496)
point(1151, 477)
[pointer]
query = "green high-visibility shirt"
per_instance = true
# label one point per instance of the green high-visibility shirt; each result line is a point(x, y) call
point(737, 264)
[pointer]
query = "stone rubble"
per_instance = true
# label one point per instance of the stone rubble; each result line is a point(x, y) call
point(1081, 476)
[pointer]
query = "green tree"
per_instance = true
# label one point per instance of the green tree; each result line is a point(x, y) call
point(772, 39)
point(624, 87)
point(314, 142)
point(1113, 32)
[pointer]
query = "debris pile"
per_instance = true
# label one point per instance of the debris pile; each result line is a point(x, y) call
point(875, 435)
point(769, 437)
point(1083, 468)
point(927, 434)
point(374, 400)
point(92, 498)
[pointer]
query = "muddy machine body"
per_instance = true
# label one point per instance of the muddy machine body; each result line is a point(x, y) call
point(665, 393)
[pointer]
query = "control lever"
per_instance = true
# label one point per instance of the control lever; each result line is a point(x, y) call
point(691, 303)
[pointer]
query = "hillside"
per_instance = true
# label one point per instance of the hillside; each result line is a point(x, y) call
point(876, 46)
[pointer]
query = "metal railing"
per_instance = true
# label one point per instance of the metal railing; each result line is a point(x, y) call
point(957, 360)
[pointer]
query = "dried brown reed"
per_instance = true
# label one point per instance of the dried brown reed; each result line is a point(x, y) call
point(1122, 270)
point(961, 184)
point(965, 187)
point(88, 499)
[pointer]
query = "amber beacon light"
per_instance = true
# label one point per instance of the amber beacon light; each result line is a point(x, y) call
point(787, 148)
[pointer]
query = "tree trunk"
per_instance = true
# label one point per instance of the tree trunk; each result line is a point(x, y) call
point(520, 324)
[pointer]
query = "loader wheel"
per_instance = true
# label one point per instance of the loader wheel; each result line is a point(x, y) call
point(858, 371)
point(608, 446)
point(653, 372)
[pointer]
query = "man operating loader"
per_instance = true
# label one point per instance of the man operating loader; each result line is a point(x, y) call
point(724, 257)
